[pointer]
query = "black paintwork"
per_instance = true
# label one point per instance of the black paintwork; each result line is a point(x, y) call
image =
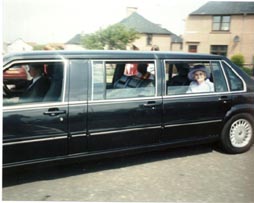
point(86, 129)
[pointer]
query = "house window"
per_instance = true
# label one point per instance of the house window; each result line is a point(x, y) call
point(193, 48)
point(149, 39)
point(219, 50)
point(221, 23)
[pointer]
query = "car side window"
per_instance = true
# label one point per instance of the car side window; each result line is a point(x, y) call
point(191, 77)
point(123, 79)
point(34, 82)
point(218, 78)
point(98, 78)
point(235, 82)
point(177, 81)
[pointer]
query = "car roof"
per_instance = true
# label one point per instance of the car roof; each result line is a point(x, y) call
point(37, 55)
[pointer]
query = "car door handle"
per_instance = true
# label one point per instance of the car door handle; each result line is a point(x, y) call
point(54, 112)
point(152, 104)
point(224, 99)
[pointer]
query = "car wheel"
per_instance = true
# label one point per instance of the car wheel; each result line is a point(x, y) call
point(237, 134)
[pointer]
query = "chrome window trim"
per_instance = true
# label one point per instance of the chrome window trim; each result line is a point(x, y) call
point(125, 130)
point(193, 123)
point(205, 93)
point(181, 60)
point(137, 99)
point(34, 140)
point(77, 103)
point(78, 135)
point(225, 76)
point(92, 71)
point(123, 60)
point(244, 84)
point(34, 106)
point(223, 73)
point(33, 60)
point(64, 61)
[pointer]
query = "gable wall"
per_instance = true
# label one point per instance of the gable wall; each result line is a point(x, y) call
point(162, 41)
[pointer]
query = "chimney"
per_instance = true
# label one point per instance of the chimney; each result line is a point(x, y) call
point(131, 10)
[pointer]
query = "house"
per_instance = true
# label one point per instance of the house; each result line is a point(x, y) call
point(152, 36)
point(18, 46)
point(220, 27)
point(74, 43)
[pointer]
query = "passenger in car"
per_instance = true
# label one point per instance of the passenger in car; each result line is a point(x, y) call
point(143, 78)
point(143, 73)
point(38, 86)
point(200, 80)
point(181, 79)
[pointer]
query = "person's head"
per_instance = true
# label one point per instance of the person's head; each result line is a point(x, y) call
point(155, 48)
point(35, 70)
point(182, 69)
point(142, 68)
point(198, 73)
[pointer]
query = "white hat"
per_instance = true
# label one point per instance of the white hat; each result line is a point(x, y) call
point(198, 68)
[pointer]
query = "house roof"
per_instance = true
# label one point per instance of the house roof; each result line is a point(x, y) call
point(225, 8)
point(75, 40)
point(176, 39)
point(142, 25)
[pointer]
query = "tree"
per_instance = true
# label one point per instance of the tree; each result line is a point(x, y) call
point(113, 37)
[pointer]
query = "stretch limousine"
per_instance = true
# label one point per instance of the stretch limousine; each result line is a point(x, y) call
point(70, 105)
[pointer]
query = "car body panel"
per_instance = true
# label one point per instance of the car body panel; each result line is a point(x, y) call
point(28, 130)
point(79, 126)
point(127, 124)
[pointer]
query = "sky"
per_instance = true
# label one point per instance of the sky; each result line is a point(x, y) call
point(47, 21)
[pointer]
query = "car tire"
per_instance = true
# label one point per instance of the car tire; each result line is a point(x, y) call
point(237, 134)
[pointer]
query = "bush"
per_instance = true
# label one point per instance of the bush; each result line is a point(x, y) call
point(249, 71)
point(238, 59)
point(38, 47)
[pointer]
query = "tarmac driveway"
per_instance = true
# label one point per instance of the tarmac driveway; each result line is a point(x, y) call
point(192, 174)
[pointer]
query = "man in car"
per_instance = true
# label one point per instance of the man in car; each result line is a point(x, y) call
point(38, 86)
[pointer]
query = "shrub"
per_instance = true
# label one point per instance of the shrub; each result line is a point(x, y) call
point(238, 59)
point(249, 71)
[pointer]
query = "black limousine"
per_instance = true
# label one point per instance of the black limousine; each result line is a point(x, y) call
point(67, 105)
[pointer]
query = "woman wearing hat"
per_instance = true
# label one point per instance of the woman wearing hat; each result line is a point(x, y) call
point(200, 80)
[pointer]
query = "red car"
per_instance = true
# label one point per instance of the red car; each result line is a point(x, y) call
point(16, 73)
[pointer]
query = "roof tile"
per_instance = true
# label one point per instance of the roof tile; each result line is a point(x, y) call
point(142, 25)
point(225, 8)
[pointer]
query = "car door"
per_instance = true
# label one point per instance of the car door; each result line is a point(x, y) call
point(121, 112)
point(34, 131)
point(197, 115)
point(77, 97)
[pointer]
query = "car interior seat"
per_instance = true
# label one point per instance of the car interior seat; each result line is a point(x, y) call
point(122, 82)
point(55, 74)
point(182, 78)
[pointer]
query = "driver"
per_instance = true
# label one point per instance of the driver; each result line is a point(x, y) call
point(38, 86)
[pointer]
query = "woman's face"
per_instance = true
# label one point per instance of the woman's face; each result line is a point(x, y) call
point(199, 76)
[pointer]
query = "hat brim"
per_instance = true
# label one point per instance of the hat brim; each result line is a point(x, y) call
point(192, 72)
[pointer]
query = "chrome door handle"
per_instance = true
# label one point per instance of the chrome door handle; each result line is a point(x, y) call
point(152, 104)
point(54, 112)
point(224, 99)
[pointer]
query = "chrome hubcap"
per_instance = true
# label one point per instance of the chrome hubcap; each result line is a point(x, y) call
point(240, 133)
